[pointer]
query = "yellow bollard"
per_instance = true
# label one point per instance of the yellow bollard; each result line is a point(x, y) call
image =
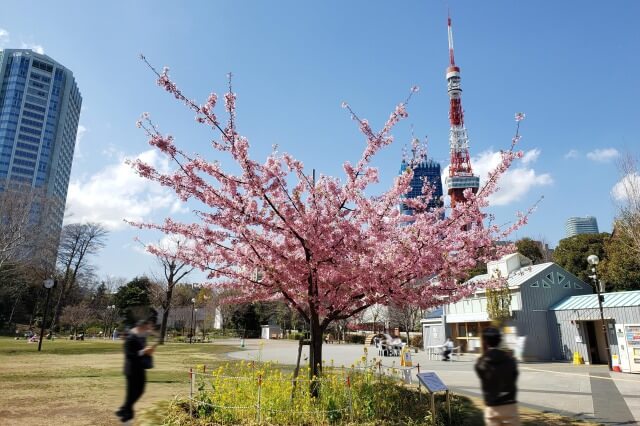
point(405, 357)
point(577, 359)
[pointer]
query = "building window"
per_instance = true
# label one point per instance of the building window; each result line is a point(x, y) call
point(577, 286)
point(545, 284)
point(535, 284)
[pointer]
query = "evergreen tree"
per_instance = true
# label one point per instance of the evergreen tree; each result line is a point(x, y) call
point(621, 268)
point(572, 253)
point(133, 301)
point(531, 249)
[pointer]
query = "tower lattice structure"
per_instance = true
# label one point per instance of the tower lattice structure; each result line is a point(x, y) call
point(461, 175)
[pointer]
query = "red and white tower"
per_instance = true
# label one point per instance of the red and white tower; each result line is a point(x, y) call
point(460, 176)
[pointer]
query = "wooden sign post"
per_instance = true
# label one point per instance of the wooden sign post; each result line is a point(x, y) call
point(433, 384)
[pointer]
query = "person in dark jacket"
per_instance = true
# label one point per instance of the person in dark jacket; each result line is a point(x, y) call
point(137, 358)
point(498, 373)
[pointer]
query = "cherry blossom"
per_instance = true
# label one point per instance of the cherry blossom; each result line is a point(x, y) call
point(272, 230)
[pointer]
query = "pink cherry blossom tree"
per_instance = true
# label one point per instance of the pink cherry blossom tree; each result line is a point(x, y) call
point(274, 231)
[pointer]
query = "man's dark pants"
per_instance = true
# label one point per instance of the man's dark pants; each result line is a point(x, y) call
point(135, 389)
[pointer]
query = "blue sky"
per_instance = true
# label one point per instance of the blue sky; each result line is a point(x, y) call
point(572, 67)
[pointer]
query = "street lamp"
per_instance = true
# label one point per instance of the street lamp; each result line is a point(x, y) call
point(195, 323)
point(593, 261)
point(204, 321)
point(193, 309)
point(110, 315)
point(48, 284)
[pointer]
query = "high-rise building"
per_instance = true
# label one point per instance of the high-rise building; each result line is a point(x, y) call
point(39, 112)
point(581, 225)
point(426, 171)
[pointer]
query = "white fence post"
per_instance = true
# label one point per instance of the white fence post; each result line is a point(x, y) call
point(191, 392)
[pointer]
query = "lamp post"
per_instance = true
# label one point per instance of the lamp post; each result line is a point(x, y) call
point(48, 284)
point(204, 321)
point(193, 309)
point(110, 314)
point(195, 324)
point(593, 261)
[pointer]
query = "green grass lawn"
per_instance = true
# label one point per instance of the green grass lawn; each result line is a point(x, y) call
point(81, 382)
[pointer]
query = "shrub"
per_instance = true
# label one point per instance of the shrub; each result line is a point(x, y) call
point(416, 341)
point(355, 338)
point(224, 333)
point(229, 395)
point(297, 335)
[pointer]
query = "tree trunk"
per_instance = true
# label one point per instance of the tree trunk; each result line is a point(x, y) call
point(315, 355)
point(163, 326)
point(13, 310)
point(58, 310)
point(165, 314)
point(408, 339)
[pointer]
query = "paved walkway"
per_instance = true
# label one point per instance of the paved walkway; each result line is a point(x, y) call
point(585, 392)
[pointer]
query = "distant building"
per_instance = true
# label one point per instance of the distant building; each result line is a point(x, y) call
point(581, 225)
point(183, 318)
point(39, 112)
point(426, 171)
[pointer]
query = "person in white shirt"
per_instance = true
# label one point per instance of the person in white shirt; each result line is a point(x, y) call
point(447, 348)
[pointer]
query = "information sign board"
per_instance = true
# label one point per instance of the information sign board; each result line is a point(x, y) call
point(432, 382)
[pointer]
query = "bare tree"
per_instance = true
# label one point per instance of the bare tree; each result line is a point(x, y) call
point(77, 243)
point(547, 253)
point(627, 193)
point(28, 245)
point(77, 316)
point(113, 283)
point(23, 211)
point(14, 221)
point(376, 313)
point(174, 270)
point(406, 317)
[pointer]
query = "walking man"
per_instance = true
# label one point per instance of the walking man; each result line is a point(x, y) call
point(137, 358)
point(498, 372)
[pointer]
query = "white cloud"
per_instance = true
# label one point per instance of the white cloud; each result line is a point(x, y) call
point(33, 46)
point(603, 155)
point(111, 151)
point(4, 37)
point(167, 242)
point(77, 153)
point(178, 207)
point(116, 192)
point(530, 156)
point(573, 153)
point(516, 182)
point(630, 184)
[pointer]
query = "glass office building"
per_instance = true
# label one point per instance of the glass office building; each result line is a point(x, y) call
point(428, 171)
point(581, 225)
point(39, 112)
